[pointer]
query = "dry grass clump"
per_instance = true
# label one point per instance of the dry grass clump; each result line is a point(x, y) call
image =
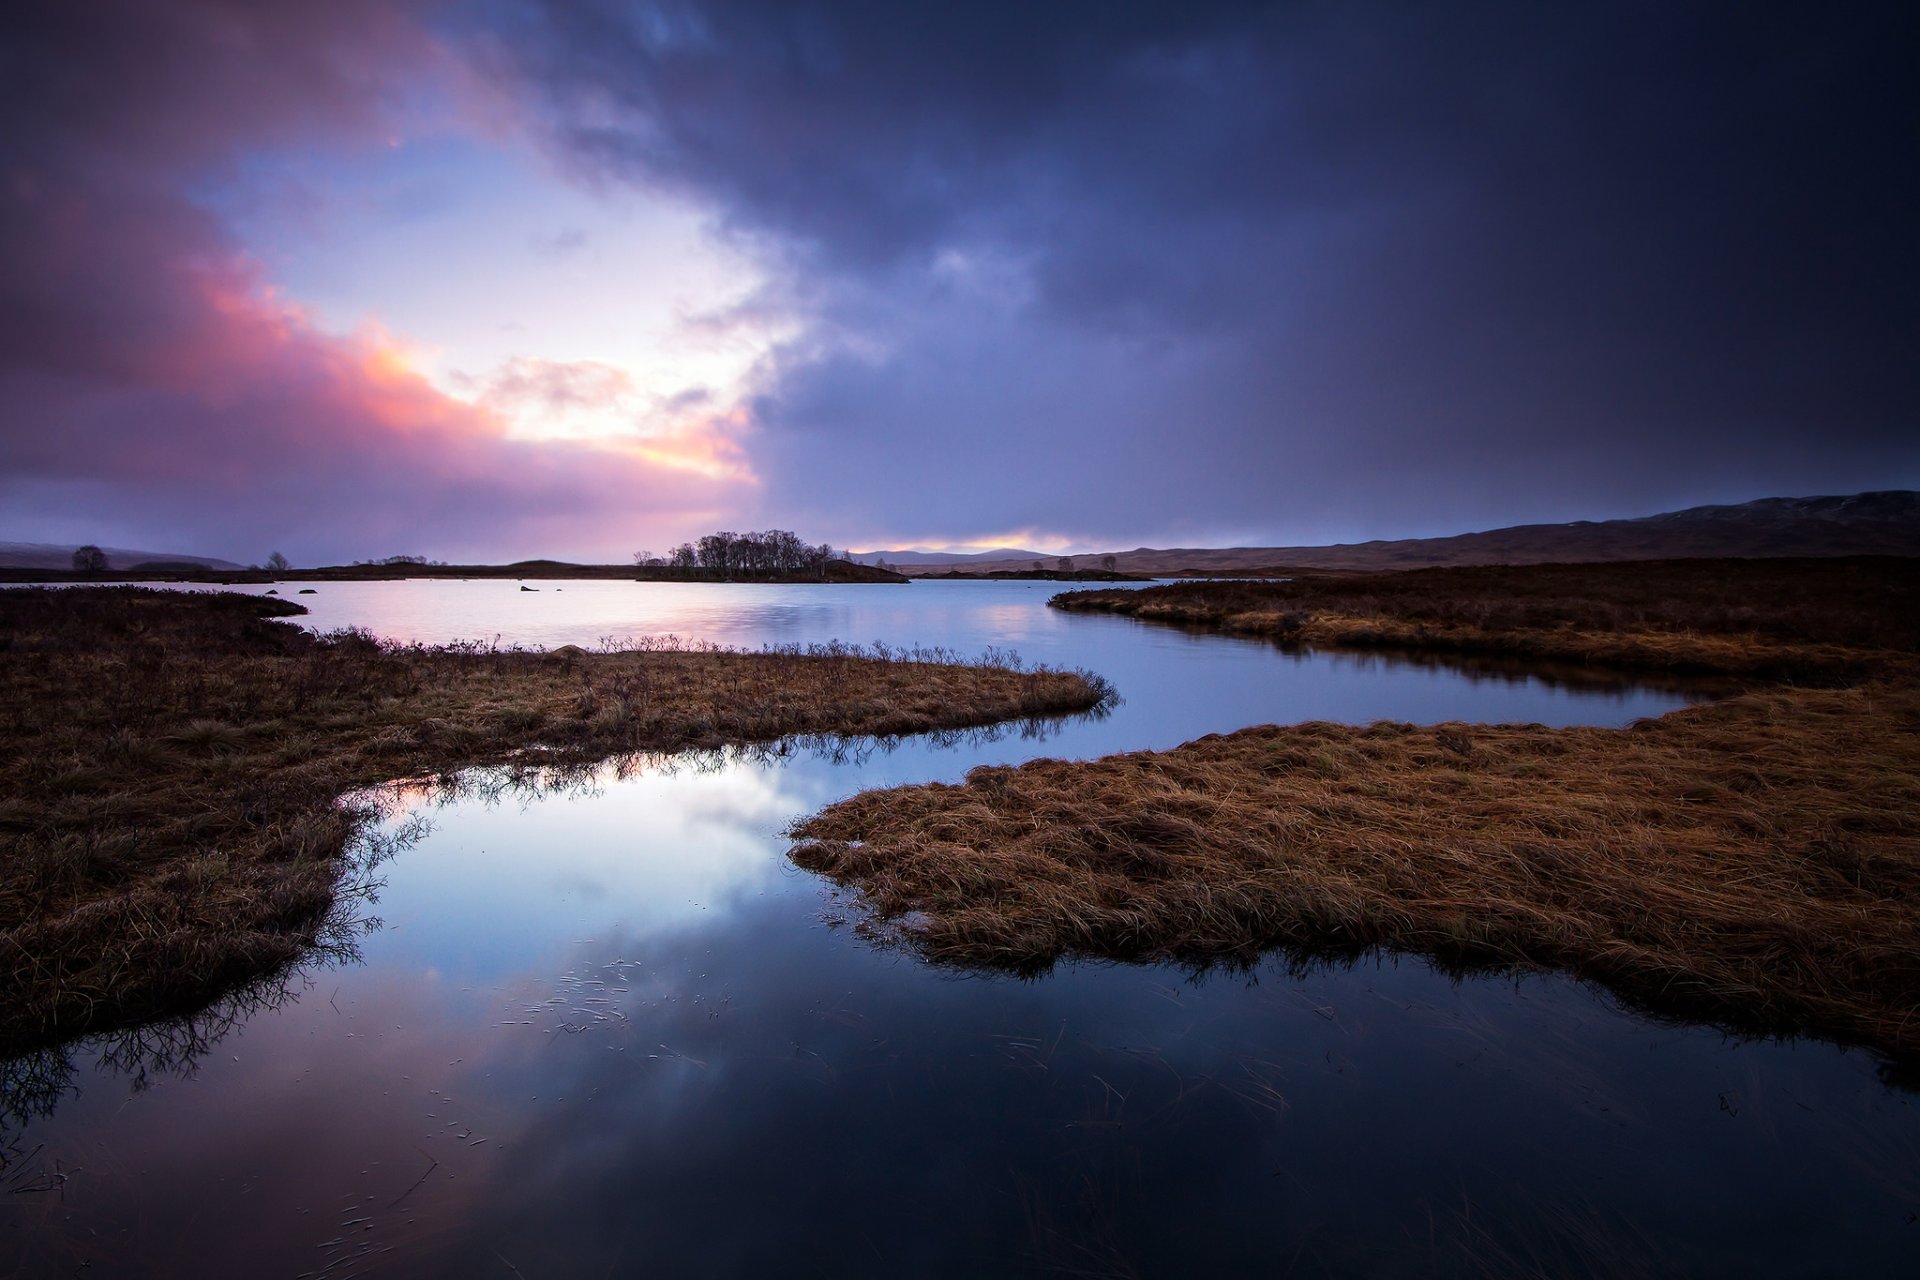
point(174, 761)
point(1803, 620)
point(1755, 862)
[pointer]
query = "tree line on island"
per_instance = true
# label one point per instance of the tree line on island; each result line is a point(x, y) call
point(770, 553)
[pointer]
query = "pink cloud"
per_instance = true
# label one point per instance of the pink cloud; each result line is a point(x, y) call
point(687, 430)
point(246, 422)
point(153, 383)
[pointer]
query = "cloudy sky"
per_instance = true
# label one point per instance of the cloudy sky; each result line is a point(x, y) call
point(492, 280)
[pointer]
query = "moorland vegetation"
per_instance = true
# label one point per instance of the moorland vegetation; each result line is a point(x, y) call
point(1752, 861)
point(173, 825)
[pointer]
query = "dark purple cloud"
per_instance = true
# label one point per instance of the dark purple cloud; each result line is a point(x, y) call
point(1120, 272)
point(1296, 269)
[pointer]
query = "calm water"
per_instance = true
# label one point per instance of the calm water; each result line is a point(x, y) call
point(606, 1029)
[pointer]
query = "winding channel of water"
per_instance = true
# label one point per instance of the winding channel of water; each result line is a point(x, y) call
point(608, 1029)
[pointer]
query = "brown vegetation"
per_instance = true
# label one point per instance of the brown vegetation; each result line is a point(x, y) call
point(171, 824)
point(1755, 862)
point(1804, 620)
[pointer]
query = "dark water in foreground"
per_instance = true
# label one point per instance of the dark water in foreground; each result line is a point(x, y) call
point(608, 1030)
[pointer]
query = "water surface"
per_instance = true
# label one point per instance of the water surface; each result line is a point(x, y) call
point(606, 1028)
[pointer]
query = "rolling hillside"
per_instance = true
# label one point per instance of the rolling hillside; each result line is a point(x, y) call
point(1881, 523)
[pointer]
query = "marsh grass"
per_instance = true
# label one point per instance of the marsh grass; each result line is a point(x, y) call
point(1754, 862)
point(172, 824)
point(33, 1083)
point(1826, 621)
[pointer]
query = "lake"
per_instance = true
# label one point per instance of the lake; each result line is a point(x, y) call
point(605, 1028)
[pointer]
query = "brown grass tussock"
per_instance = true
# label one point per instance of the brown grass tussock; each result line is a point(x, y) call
point(1824, 621)
point(1754, 862)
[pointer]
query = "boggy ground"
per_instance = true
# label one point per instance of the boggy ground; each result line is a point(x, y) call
point(1754, 862)
point(171, 825)
point(1803, 620)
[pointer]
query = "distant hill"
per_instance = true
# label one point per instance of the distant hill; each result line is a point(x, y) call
point(51, 555)
point(949, 558)
point(1881, 523)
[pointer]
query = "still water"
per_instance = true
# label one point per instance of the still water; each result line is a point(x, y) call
point(604, 1028)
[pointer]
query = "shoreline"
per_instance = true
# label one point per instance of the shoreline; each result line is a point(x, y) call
point(1752, 862)
point(175, 828)
point(838, 572)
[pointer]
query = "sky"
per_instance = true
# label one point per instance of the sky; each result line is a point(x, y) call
point(509, 278)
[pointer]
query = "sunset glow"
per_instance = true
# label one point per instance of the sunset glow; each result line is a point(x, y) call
point(1329, 590)
point(1167, 280)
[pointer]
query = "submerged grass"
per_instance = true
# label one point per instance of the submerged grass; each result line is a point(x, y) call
point(1754, 862)
point(172, 823)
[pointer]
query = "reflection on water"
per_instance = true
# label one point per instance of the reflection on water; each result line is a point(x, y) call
point(604, 1027)
point(1177, 685)
point(1478, 669)
point(32, 1084)
point(575, 1043)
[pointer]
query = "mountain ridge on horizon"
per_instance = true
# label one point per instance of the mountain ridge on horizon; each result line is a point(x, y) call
point(1875, 522)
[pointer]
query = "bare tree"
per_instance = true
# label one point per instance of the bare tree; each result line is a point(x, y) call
point(1110, 563)
point(89, 559)
point(1066, 564)
point(279, 563)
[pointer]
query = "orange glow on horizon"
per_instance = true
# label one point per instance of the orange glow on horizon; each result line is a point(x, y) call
point(1039, 541)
